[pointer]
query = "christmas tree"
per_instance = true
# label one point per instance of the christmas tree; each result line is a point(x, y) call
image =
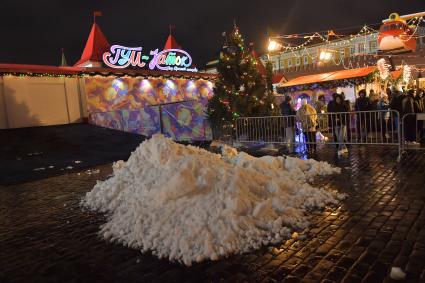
point(240, 90)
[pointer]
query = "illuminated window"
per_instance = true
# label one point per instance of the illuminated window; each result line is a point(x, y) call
point(361, 47)
point(352, 50)
point(373, 45)
point(305, 60)
point(289, 63)
point(298, 61)
point(342, 52)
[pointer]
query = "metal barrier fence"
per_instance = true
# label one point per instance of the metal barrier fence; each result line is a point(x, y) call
point(413, 131)
point(340, 129)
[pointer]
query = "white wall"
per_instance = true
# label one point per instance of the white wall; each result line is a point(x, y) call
point(39, 101)
point(3, 113)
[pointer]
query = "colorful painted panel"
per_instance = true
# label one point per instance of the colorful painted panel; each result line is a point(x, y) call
point(186, 121)
point(110, 94)
point(144, 121)
point(111, 120)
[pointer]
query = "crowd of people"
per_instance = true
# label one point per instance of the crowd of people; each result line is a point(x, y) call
point(371, 114)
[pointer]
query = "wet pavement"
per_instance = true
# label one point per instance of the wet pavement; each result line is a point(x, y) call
point(46, 237)
point(35, 153)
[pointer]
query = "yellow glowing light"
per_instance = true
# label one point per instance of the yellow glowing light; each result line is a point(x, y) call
point(325, 55)
point(273, 45)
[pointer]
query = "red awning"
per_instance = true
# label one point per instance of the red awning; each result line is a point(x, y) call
point(331, 76)
point(396, 74)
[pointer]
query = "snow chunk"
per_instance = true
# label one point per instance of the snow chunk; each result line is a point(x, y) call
point(188, 204)
point(397, 274)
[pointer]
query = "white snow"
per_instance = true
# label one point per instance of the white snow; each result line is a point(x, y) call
point(397, 274)
point(187, 204)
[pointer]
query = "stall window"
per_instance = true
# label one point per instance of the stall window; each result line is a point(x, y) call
point(305, 60)
point(298, 61)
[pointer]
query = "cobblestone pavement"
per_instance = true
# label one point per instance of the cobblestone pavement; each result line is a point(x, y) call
point(45, 237)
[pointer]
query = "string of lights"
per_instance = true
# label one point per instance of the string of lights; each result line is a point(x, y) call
point(106, 75)
point(343, 39)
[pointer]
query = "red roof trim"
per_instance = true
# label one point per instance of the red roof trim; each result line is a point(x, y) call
point(55, 70)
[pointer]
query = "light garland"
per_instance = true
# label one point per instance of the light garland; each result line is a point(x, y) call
point(365, 35)
point(383, 68)
point(106, 75)
point(407, 73)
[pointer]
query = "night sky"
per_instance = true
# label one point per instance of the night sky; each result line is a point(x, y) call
point(33, 32)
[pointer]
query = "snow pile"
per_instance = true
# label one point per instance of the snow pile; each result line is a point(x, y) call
point(187, 204)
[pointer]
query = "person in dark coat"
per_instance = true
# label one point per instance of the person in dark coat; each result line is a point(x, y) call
point(287, 110)
point(340, 121)
point(362, 119)
point(408, 109)
point(383, 105)
point(418, 103)
point(331, 109)
point(347, 104)
point(418, 106)
point(396, 104)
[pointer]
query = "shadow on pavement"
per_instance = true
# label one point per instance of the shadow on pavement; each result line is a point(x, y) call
point(29, 154)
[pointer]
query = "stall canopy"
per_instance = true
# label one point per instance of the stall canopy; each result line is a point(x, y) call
point(326, 77)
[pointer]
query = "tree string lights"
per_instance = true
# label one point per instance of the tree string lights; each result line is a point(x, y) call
point(240, 89)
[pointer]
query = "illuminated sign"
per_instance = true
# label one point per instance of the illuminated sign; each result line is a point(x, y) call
point(121, 57)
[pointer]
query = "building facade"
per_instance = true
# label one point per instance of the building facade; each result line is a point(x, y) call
point(345, 53)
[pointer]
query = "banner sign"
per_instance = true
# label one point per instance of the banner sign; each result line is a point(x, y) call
point(121, 57)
